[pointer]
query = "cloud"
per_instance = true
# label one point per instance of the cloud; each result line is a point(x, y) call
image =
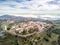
point(50, 17)
point(41, 5)
point(54, 2)
point(28, 7)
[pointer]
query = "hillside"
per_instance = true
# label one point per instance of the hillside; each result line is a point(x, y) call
point(32, 32)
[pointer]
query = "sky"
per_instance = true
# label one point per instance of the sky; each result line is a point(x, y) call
point(31, 8)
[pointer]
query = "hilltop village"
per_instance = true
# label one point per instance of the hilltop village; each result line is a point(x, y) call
point(28, 27)
point(29, 32)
